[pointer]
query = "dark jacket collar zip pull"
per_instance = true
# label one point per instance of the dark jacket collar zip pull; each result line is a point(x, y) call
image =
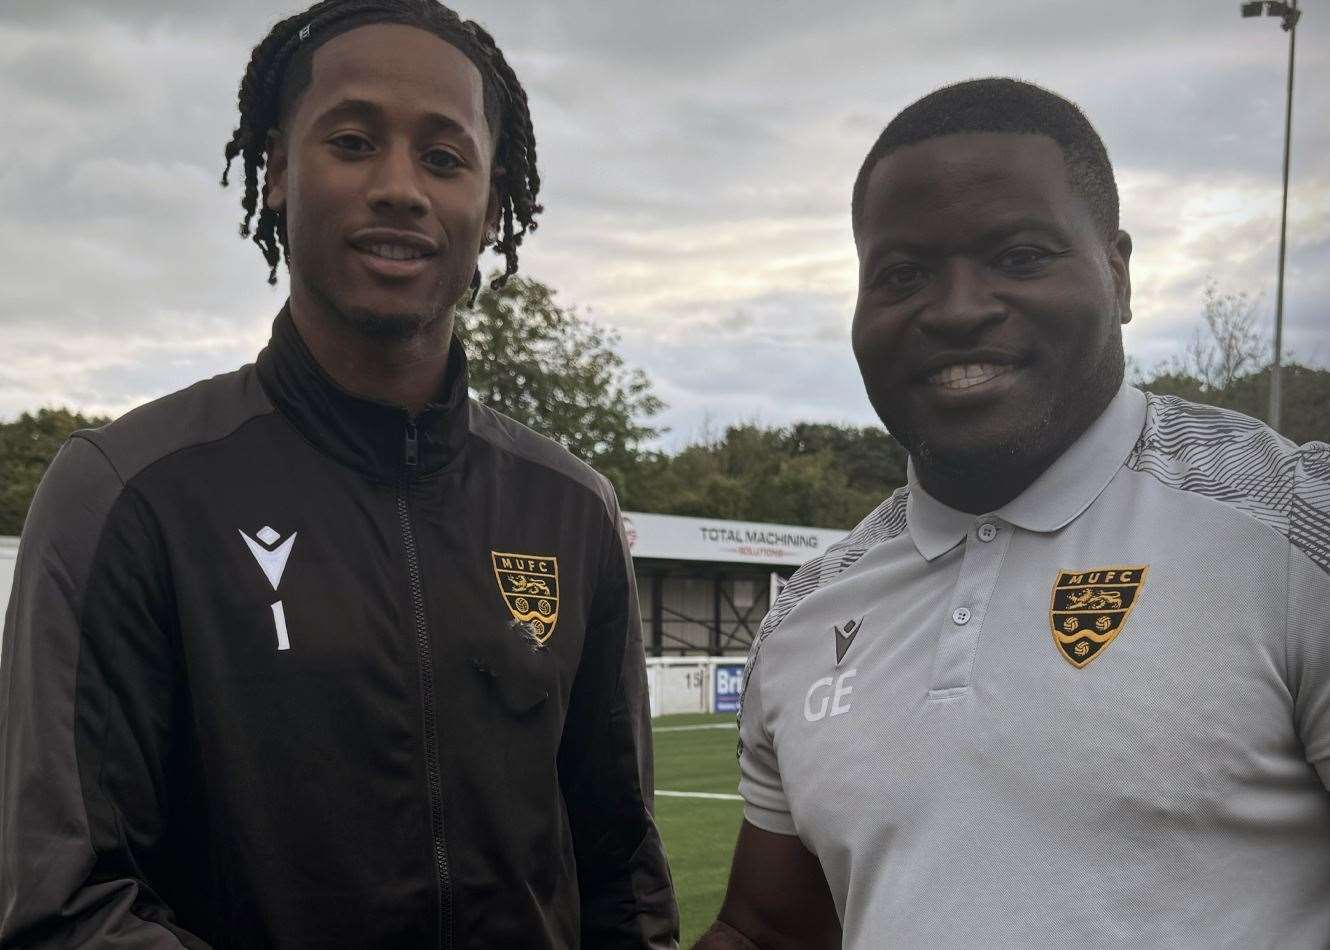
point(412, 445)
point(365, 434)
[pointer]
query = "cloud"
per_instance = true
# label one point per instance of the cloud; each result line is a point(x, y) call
point(697, 161)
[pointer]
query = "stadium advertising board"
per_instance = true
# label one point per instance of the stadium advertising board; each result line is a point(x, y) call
point(728, 680)
point(675, 538)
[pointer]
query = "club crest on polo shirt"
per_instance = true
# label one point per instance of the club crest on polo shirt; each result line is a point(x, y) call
point(1090, 607)
point(529, 584)
point(845, 634)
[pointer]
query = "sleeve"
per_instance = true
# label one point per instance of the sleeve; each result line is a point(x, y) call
point(605, 770)
point(759, 773)
point(1308, 632)
point(84, 708)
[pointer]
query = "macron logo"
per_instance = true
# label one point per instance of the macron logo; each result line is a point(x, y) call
point(845, 634)
point(272, 558)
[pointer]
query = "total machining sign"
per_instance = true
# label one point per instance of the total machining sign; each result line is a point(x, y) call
point(670, 537)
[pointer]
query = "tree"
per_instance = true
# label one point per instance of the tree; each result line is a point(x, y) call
point(1230, 345)
point(870, 458)
point(808, 473)
point(1227, 364)
point(553, 370)
point(1304, 414)
point(27, 446)
point(1305, 391)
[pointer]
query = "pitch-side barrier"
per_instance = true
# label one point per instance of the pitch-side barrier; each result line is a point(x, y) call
point(694, 684)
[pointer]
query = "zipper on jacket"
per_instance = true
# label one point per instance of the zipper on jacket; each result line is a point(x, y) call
point(424, 657)
point(412, 446)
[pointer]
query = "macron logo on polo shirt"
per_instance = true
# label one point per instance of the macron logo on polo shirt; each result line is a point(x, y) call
point(845, 634)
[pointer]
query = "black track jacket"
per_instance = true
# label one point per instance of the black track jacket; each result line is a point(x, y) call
point(285, 668)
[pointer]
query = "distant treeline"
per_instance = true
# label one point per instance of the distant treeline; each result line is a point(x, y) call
point(550, 368)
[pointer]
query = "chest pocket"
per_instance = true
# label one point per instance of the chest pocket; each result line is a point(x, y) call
point(519, 674)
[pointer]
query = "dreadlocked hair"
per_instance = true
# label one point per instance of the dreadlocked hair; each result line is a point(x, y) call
point(280, 69)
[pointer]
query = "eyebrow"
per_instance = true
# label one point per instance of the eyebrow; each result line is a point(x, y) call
point(988, 236)
point(1015, 225)
point(371, 111)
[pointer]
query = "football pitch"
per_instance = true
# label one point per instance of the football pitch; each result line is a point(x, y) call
point(695, 758)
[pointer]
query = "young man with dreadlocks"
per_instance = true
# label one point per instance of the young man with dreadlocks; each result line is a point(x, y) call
point(321, 652)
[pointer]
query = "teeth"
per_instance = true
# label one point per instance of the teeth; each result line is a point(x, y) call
point(394, 252)
point(965, 375)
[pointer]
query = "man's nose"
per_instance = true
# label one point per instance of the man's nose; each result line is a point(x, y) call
point(395, 184)
point(963, 303)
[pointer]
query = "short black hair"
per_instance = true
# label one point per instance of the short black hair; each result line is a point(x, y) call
point(280, 70)
point(1005, 105)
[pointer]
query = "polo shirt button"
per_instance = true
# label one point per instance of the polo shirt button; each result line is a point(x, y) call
point(987, 531)
point(960, 616)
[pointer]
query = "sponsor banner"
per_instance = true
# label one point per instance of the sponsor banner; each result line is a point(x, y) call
point(728, 680)
point(709, 539)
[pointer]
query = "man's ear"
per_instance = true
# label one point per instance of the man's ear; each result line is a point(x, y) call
point(274, 176)
point(1119, 261)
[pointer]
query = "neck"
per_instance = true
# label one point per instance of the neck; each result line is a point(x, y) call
point(404, 368)
point(961, 490)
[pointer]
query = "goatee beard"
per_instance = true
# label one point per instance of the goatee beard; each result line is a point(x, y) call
point(1032, 447)
point(979, 462)
point(389, 326)
point(378, 325)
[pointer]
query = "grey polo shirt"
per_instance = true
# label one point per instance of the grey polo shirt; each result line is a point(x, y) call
point(1099, 716)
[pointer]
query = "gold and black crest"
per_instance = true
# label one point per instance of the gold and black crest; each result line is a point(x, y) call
point(529, 584)
point(1090, 608)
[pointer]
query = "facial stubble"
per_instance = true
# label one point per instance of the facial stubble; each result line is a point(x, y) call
point(1031, 448)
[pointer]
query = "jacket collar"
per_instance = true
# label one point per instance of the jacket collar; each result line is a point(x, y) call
point(1056, 498)
point(364, 434)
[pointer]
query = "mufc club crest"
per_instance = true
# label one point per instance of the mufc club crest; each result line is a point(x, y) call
point(1090, 608)
point(529, 584)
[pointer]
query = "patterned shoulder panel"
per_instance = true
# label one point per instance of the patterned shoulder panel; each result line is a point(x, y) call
point(1240, 461)
point(1309, 515)
point(885, 521)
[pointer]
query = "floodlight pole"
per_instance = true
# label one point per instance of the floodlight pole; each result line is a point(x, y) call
point(1289, 14)
point(1291, 25)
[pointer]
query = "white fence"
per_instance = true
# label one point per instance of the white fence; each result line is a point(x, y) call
point(694, 684)
point(8, 554)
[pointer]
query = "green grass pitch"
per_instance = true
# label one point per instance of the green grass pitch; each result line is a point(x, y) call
point(699, 833)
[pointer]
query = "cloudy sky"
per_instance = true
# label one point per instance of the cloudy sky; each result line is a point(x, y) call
point(697, 159)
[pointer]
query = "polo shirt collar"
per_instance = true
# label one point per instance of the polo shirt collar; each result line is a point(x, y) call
point(1056, 498)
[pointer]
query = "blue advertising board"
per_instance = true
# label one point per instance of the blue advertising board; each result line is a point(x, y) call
point(728, 684)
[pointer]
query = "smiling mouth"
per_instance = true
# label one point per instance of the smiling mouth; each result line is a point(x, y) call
point(394, 252)
point(959, 376)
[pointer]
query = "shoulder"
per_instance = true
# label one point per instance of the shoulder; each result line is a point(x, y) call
point(528, 447)
point(1239, 462)
point(1309, 509)
point(207, 411)
point(90, 471)
point(884, 522)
